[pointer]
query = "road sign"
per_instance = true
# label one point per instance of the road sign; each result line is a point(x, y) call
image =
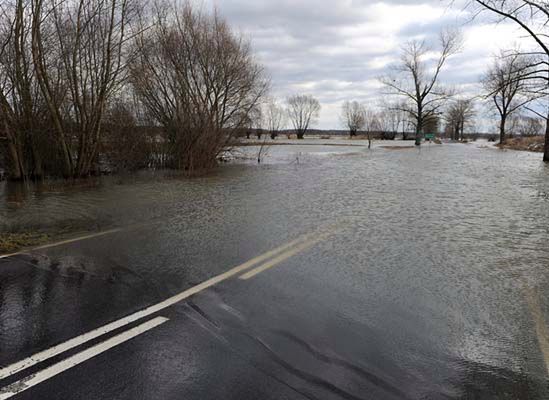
point(429, 136)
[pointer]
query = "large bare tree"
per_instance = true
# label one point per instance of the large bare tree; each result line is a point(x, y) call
point(198, 80)
point(416, 79)
point(303, 111)
point(504, 83)
point(532, 16)
point(78, 50)
point(21, 106)
point(353, 116)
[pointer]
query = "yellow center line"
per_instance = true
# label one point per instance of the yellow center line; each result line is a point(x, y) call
point(284, 256)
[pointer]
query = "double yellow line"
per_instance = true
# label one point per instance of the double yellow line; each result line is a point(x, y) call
point(285, 252)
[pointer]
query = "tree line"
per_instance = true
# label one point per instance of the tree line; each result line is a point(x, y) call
point(516, 84)
point(85, 82)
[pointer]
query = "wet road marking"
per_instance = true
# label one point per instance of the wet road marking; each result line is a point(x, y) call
point(68, 241)
point(77, 341)
point(542, 332)
point(282, 257)
point(47, 373)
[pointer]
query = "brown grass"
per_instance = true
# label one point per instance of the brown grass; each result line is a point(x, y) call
point(530, 143)
point(11, 242)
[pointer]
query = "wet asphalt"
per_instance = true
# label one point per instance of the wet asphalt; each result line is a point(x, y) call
point(420, 290)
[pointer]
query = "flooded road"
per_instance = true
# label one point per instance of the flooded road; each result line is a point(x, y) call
point(360, 274)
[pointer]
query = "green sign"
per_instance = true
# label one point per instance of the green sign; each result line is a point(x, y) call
point(429, 136)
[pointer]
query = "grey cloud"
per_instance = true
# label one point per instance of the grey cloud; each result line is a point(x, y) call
point(336, 49)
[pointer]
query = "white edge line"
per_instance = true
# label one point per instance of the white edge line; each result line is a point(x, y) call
point(86, 337)
point(47, 373)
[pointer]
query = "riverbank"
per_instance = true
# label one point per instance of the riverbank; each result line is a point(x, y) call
point(533, 143)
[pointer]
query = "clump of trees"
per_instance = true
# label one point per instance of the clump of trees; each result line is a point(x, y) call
point(460, 114)
point(90, 81)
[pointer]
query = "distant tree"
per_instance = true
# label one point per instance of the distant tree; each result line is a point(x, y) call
point(416, 79)
point(459, 114)
point(532, 16)
point(527, 126)
point(504, 84)
point(303, 111)
point(257, 118)
point(388, 124)
point(275, 118)
point(353, 116)
point(371, 124)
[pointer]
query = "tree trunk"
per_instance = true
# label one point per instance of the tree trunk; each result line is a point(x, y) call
point(419, 134)
point(300, 134)
point(16, 172)
point(502, 131)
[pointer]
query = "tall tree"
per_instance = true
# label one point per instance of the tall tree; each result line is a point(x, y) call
point(416, 79)
point(504, 83)
point(532, 16)
point(199, 81)
point(303, 111)
point(78, 51)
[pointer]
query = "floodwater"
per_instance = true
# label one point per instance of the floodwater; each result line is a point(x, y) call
point(434, 285)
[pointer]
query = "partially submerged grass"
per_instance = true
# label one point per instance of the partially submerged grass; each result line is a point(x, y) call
point(526, 143)
point(11, 242)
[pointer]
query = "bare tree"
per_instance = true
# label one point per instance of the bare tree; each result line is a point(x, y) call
point(275, 118)
point(199, 81)
point(416, 80)
point(371, 124)
point(78, 53)
point(524, 125)
point(459, 115)
point(391, 120)
point(353, 116)
point(505, 85)
point(303, 111)
point(22, 111)
point(532, 16)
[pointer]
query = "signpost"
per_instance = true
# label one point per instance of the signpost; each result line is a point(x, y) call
point(429, 136)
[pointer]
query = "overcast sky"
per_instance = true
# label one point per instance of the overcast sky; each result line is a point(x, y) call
point(337, 49)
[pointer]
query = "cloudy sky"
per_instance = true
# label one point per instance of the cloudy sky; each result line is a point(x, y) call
point(337, 49)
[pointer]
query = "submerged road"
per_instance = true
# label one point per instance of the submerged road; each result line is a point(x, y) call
point(333, 306)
